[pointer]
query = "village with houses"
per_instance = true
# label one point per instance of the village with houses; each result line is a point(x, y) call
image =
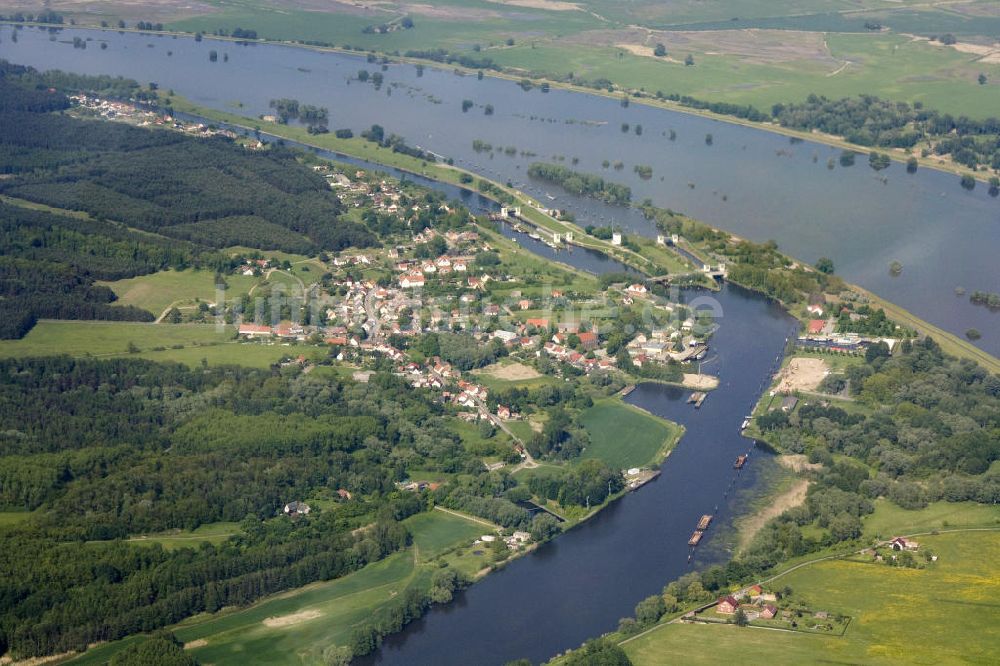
point(454, 280)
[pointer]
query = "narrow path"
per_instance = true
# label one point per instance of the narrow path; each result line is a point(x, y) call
point(840, 69)
point(166, 311)
point(473, 519)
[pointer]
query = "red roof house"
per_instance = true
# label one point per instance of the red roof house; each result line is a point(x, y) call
point(727, 605)
point(588, 340)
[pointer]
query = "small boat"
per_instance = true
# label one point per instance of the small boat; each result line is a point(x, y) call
point(746, 422)
point(534, 236)
point(695, 538)
point(740, 461)
point(705, 521)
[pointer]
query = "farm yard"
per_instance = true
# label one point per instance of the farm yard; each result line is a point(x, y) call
point(890, 610)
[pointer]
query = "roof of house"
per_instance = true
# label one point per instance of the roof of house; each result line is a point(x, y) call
point(816, 325)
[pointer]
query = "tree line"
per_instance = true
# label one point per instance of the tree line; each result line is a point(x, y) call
point(100, 450)
point(582, 183)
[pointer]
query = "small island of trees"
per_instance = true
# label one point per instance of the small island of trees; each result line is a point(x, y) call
point(581, 183)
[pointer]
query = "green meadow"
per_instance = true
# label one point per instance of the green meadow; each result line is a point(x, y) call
point(158, 291)
point(101, 339)
point(889, 520)
point(891, 66)
point(210, 533)
point(181, 343)
point(294, 627)
point(933, 615)
point(474, 442)
point(436, 531)
point(624, 436)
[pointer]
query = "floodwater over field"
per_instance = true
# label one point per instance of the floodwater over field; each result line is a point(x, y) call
point(754, 183)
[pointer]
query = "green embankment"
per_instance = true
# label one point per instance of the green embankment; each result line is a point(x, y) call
point(624, 436)
point(372, 152)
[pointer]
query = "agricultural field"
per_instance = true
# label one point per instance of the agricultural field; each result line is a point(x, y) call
point(105, 339)
point(736, 68)
point(247, 354)
point(181, 343)
point(892, 611)
point(745, 51)
point(624, 436)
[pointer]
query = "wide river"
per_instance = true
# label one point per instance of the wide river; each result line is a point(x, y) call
point(751, 182)
point(580, 585)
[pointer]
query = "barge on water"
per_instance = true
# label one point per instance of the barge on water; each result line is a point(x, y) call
point(740, 461)
point(705, 521)
point(698, 397)
point(695, 538)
